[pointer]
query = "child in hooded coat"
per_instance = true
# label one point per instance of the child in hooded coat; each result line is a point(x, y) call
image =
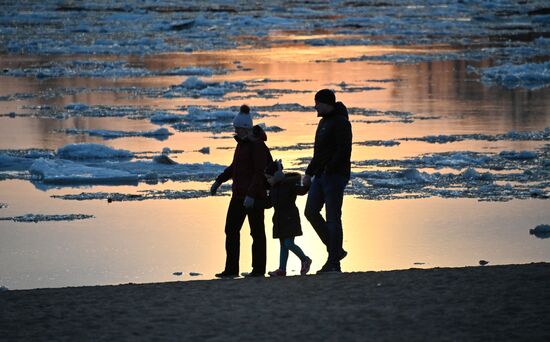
point(286, 218)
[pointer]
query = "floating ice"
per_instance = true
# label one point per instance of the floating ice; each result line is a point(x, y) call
point(543, 135)
point(152, 28)
point(92, 151)
point(76, 106)
point(58, 171)
point(162, 118)
point(81, 68)
point(162, 159)
point(159, 134)
point(19, 160)
point(191, 71)
point(204, 150)
point(143, 195)
point(195, 87)
point(514, 179)
point(472, 174)
point(405, 178)
point(531, 76)
point(40, 218)
point(296, 147)
point(523, 155)
point(541, 231)
point(385, 143)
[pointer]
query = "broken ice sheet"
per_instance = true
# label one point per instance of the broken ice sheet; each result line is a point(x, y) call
point(42, 218)
point(486, 176)
point(159, 134)
point(144, 195)
point(531, 76)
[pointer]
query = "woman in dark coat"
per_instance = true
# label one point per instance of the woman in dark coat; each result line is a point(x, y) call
point(286, 218)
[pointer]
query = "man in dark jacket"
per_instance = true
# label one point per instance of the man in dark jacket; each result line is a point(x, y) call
point(330, 170)
point(249, 195)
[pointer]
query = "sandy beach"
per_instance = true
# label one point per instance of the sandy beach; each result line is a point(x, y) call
point(460, 304)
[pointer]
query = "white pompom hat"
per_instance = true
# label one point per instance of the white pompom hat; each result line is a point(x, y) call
point(243, 119)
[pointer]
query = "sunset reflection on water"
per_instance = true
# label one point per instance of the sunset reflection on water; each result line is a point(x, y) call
point(148, 241)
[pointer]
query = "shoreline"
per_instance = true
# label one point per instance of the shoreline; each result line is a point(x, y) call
point(508, 302)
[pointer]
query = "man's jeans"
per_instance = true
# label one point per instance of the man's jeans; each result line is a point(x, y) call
point(327, 189)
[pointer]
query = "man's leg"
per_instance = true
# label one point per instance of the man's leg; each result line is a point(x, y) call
point(234, 221)
point(333, 186)
point(257, 231)
point(314, 204)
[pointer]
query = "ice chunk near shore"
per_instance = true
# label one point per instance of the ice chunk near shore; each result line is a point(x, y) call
point(92, 151)
point(59, 171)
point(541, 231)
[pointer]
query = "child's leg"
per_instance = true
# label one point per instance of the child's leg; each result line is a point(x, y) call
point(290, 245)
point(283, 256)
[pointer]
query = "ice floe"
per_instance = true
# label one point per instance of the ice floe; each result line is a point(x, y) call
point(541, 231)
point(384, 143)
point(485, 176)
point(80, 68)
point(531, 75)
point(58, 171)
point(41, 218)
point(159, 134)
point(92, 151)
point(143, 195)
point(150, 27)
point(195, 87)
point(543, 135)
point(76, 164)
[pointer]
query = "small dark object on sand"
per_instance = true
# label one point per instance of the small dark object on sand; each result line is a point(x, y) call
point(483, 262)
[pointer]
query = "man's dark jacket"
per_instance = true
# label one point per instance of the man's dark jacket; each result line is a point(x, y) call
point(247, 169)
point(332, 149)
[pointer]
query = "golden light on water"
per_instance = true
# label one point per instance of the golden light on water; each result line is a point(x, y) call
point(146, 241)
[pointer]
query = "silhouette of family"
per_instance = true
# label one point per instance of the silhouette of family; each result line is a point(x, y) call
point(260, 182)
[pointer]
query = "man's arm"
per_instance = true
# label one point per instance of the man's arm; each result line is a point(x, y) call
point(342, 140)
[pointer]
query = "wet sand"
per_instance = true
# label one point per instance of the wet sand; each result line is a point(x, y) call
point(472, 303)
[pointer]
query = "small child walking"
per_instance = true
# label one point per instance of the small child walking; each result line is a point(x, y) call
point(286, 218)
